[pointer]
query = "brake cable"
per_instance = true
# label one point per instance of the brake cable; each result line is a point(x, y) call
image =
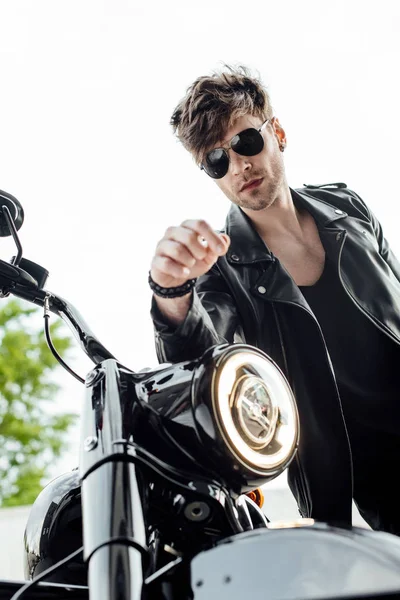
point(46, 316)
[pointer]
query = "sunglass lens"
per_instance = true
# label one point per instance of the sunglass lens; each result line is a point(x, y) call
point(248, 142)
point(216, 163)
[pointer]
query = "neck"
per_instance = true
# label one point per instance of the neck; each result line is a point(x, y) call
point(280, 217)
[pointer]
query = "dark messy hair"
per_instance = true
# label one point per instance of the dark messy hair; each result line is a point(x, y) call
point(213, 103)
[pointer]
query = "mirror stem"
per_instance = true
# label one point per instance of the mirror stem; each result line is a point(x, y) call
point(17, 259)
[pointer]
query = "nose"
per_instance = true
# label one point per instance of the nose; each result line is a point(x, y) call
point(238, 164)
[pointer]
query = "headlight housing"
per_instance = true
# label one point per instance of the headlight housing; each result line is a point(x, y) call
point(255, 410)
point(230, 413)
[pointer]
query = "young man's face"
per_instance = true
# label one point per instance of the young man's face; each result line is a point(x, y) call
point(253, 182)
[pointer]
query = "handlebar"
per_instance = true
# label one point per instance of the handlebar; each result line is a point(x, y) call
point(19, 283)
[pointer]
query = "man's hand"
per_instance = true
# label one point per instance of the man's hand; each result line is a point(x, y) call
point(186, 252)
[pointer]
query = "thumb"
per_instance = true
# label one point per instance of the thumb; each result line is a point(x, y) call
point(226, 240)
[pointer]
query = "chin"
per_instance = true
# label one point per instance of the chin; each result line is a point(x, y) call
point(256, 205)
point(255, 201)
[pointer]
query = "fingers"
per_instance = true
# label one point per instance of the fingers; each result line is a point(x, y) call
point(177, 251)
point(226, 240)
point(181, 242)
point(169, 268)
point(187, 251)
point(206, 236)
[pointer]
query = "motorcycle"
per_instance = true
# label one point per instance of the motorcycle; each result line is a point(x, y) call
point(166, 503)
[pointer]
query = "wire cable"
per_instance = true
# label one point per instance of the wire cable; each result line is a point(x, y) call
point(164, 469)
point(54, 352)
point(45, 573)
point(161, 468)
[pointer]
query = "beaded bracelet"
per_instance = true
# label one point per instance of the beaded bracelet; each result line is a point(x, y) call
point(172, 292)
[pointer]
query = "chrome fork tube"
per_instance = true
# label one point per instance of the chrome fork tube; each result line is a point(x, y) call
point(113, 521)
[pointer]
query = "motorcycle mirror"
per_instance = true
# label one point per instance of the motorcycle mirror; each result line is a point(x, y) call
point(16, 212)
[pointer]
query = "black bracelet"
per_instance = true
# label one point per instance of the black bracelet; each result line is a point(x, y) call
point(172, 292)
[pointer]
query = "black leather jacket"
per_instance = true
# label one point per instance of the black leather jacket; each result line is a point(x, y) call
point(248, 296)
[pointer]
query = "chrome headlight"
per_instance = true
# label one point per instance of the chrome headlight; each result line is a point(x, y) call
point(255, 410)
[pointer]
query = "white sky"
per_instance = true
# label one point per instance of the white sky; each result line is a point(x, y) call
point(87, 88)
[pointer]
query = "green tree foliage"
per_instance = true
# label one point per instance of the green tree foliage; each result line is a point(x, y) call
point(31, 436)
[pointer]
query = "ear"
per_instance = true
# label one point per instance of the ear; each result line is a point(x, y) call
point(279, 133)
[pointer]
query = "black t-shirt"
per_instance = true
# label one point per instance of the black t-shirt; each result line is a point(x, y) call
point(365, 360)
point(366, 364)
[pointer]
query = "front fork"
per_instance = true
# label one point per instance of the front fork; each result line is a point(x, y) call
point(114, 532)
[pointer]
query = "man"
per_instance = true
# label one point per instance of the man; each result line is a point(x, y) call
point(305, 275)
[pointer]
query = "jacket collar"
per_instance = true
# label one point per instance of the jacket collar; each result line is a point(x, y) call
point(247, 247)
point(323, 212)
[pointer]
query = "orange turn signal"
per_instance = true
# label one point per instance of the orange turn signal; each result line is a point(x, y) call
point(257, 496)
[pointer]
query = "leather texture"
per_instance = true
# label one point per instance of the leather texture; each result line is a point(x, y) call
point(249, 297)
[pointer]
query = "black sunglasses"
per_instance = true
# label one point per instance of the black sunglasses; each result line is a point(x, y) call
point(246, 143)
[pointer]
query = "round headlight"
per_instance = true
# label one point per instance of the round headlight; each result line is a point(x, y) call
point(255, 410)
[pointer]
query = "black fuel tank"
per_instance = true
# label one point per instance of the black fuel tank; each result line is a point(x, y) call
point(54, 530)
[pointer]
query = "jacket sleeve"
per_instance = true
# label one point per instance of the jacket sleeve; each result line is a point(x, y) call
point(384, 248)
point(212, 319)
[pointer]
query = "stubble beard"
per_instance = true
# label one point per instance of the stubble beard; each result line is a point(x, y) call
point(262, 197)
point(255, 200)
